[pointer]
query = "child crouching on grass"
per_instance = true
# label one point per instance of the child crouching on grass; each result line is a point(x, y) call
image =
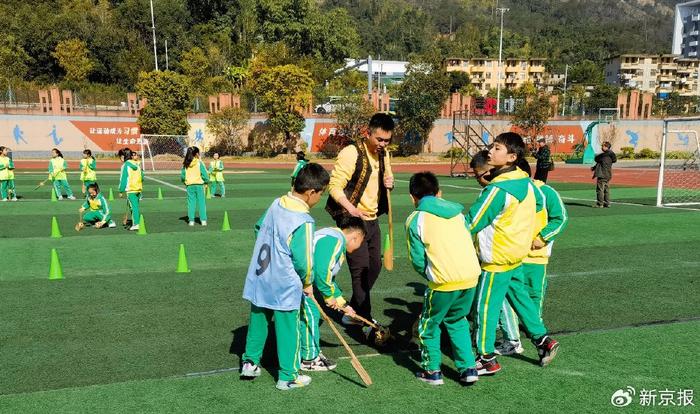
point(280, 274)
point(98, 212)
point(330, 246)
point(441, 250)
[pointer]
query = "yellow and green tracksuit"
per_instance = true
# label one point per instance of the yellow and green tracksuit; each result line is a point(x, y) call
point(329, 256)
point(6, 177)
point(503, 221)
point(97, 209)
point(195, 177)
point(57, 173)
point(87, 171)
point(300, 246)
point(551, 220)
point(216, 177)
point(131, 183)
point(441, 250)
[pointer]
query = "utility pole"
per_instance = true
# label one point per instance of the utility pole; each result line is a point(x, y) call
point(503, 10)
point(566, 75)
point(153, 26)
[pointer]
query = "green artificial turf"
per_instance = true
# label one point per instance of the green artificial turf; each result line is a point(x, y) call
point(122, 329)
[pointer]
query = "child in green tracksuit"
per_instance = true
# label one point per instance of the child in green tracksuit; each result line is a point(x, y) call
point(441, 250)
point(301, 162)
point(503, 221)
point(330, 246)
point(216, 176)
point(98, 212)
point(551, 220)
point(7, 176)
point(87, 170)
point(194, 174)
point(57, 173)
point(280, 274)
point(131, 183)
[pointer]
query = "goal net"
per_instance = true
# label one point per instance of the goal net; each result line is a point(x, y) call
point(163, 152)
point(679, 171)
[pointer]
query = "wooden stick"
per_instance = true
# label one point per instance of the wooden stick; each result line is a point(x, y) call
point(389, 253)
point(353, 359)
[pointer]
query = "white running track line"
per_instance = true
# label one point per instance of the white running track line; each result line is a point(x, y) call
point(166, 183)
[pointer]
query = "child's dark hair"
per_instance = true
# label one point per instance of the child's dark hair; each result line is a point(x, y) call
point(346, 222)
point(606, 144)
point(124, 152)
point(58, 152)
point(95, 187)
point(479, 159)
point(87, 152)
point(2, 148)
point(423, 184)
point(311, 177)
point(382, 121)
point(524, 165)
point(189, 156)
point(301, 156)
point(513, 142)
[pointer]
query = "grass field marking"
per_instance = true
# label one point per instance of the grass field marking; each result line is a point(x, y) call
point(166, 183)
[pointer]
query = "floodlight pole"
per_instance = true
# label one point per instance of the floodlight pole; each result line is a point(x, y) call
point(563, 104)
point(153, 27)
point(500, 55)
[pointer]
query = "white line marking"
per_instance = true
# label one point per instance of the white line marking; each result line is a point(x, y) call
point(166, 183)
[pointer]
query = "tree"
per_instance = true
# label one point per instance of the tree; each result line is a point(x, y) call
point(532, 115)
point(586, 72)
point(421, 97)
point(602, 96)
point(228, 126)
point(73, 57)
point(168, 97)
point(13, 60)
point(458, 80)
point(282, 92)
point(195, 65)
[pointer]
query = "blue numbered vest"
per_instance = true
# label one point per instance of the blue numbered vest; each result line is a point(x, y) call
point(337, 234)
point(271, 281)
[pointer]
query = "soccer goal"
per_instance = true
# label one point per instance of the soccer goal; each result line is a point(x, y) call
point(679, 170)
point(608, 115)
point(163, 152)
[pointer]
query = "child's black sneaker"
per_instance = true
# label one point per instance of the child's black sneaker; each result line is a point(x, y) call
point(546, 349)
point(469, 376)
point(487, 365)
point(430, 377)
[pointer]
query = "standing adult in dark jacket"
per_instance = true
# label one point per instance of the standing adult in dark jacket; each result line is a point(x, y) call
point(602, 171)
point(544, 160)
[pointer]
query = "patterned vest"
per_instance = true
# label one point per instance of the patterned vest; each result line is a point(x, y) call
point(357, 184)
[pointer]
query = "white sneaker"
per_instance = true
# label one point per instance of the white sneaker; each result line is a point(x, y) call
point(349, 321)
point(112, 224)
point(301, 381)
point(510, 348)
point(320, 363)
point(134, 227)
point(71, 197)
point(14, 198)
point(191, 224)
point(204, 223)
point(250, 370)
point(4, 199)
point(59, 198)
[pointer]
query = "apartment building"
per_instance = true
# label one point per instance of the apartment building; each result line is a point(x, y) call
point(658, 74)
point(686, 30)
point(484, 71)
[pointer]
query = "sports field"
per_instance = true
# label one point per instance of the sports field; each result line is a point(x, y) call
point(122, 332)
